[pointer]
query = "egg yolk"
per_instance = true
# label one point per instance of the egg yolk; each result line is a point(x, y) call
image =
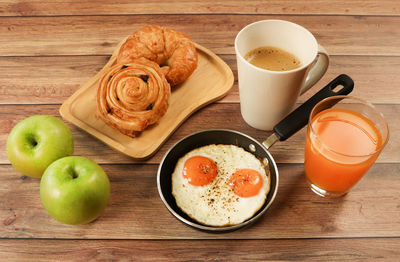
point(246, 182)
point(199, 170)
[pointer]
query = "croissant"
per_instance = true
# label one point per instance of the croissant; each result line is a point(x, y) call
point(133, 96)
point(172, 50)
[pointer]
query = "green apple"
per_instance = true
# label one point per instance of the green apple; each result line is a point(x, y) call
point(74, 190)
point(36, 142)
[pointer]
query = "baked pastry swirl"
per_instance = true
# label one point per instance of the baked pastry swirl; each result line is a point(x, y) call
point(172, 50)
point(133, 96)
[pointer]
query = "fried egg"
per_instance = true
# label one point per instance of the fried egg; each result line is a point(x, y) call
point(220, 185)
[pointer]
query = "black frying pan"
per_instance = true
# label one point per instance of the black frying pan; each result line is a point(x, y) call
point(283, 130)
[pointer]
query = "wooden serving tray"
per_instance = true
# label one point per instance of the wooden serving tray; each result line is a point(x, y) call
point(211, 80)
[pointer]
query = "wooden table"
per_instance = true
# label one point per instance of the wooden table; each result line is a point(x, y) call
point(48, 49)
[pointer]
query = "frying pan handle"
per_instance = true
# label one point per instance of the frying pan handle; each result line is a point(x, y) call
point(299, 117)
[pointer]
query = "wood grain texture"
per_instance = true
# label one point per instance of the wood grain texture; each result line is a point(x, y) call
point(315, 7)
point(45, 80)
point(212, 117)
point(98, 35)
point(53, 79)
point(48, 49)
point(374, 249)
point(135, 210)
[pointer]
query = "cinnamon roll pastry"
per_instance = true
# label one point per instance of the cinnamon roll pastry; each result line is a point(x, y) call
point(133, 96)
point(172, 50)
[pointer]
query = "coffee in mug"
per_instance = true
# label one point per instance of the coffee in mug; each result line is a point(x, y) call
point(272, 58)
point(267, 96)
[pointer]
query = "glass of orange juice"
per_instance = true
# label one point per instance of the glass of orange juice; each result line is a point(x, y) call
point(345, 136)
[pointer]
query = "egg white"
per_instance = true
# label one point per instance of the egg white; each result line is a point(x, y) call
point(215, 204)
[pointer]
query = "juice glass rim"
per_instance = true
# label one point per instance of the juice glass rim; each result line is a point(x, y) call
point(362, 101)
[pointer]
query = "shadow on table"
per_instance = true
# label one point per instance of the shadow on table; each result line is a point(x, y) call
point(299, 212)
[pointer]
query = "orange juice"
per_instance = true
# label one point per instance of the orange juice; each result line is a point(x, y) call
point(340, 147)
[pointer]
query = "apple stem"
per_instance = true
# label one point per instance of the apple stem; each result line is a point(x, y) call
point(32, 140)
point(73, 173)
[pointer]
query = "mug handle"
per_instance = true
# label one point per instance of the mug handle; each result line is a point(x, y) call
point(317, 70)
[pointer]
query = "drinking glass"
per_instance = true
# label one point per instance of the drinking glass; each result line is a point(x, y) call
point(345, 135)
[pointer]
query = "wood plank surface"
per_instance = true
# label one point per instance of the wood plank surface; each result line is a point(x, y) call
point(98, 35)
point(25, 80)
point(135, 210)
point(374, 249)
point(212, 117)
point(314, 7)
point(48, 49)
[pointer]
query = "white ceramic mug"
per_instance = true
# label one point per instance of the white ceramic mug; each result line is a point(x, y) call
point(267, 96)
